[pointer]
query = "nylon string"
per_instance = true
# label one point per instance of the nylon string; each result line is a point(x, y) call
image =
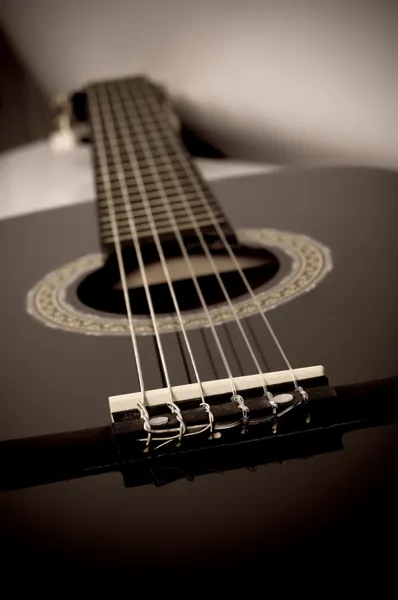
point(200, 236)
point(189, 170)
point(187, 259)
point(97, 131)
point(112, 137)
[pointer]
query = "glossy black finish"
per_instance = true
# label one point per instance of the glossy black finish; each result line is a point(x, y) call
point(314, 427)
point(52, 382)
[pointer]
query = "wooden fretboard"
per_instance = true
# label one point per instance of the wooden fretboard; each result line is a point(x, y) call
point(153, 159)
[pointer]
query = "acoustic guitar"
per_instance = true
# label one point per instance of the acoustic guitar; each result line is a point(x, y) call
point(172, 353)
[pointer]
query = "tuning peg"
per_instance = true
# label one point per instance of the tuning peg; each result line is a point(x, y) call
point(62, 139)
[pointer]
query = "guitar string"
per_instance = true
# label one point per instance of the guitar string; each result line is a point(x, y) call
point(256, 341)
point(233, 348)
point(209, 354)
point(163, 195)
point(183, 357)
point(190, 169)
point(114, 225)
point(112, 138)
point(203, 244)
point(162, 192)
point(100, 148)
point(123, 189)
point(130, 153)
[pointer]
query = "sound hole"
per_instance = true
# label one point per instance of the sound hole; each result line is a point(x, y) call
point(102, 291)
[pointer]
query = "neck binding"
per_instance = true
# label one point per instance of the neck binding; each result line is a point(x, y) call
point(161, 163)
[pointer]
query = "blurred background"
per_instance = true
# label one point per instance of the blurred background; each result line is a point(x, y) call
point(280, 81)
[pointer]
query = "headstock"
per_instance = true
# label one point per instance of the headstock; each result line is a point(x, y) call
point(71, 117)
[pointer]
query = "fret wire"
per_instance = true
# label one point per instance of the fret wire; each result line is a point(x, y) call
point(133, 119)
point(162, 171)
point(139, 213)
point(154, 196)
point(186, 186)
point(188, 192)
point(170, 191)
point(137, 136)
point(158, 217)
point(132, 180)
point(158, 209)
point(155, 200)
point(177, 204)
point(161, 161)
point(176, 201)
point(145, 175)
point(131, 177)
point(186, 226)
point(158, 158)
point(142, 225)
point(134, 194)
point(156, 205)
point(205, 222)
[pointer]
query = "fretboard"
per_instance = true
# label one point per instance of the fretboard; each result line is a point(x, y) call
point(137, 154)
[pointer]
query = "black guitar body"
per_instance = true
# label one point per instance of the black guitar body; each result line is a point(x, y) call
point(338, 505)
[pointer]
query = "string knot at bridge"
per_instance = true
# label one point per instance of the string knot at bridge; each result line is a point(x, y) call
point(210, 415)
point(303, 393)
point(144, 414)
point(177, 411)
point(243, 407)
point(272, 401)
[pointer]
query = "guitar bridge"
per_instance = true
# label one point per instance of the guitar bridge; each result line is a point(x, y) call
point(161, 422)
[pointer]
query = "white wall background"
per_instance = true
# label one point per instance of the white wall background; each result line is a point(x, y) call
point(299, 81)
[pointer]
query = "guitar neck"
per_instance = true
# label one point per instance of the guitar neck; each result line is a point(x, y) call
point(140, 161)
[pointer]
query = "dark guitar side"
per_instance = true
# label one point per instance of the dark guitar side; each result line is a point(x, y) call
point(52, 381)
